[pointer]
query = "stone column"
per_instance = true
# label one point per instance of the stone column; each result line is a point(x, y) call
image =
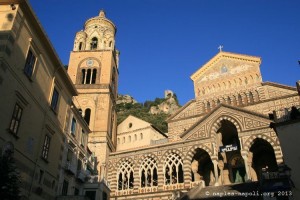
point(245, 157)
point(252, 173)
point(215, 162)
point(221, 167)
point(160, 176)
point(136, 179)
point(187, 174)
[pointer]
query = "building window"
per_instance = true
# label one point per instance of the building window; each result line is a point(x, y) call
point(41, 176)
point(173, 169)
point(53, 184)
point(64, 191)
point(29, 64)
point(16, 119)
point(82, 138)
point(54, 100)
point(125, 176)
point(87, 116)
point(148, 171)
point(88, 76)
point(113, 81)
point(240, 101)
point(94, 75)
point(94, 43)
point(141, 134)
point(79, 164)
point(104, 196)
point(83, 76)
point(118, 140)
point(251, 98)
point(135, 137)
point(129, 138)
point(46, 147)
point(80, 45)
point(73, 126)
point(69, 156)
point(208, 107)
point(76, 191)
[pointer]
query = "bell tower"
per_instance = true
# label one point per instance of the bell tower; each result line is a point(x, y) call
point(93, 68)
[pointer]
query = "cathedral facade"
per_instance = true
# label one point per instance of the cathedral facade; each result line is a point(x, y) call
point(221, 137)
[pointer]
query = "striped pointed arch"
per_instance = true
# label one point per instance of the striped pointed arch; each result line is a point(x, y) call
point(127, 159)
point(144, 156)
point(217, 124)
point(274, 142)
point(170, 151)
point(249, 142)
point(192, 151)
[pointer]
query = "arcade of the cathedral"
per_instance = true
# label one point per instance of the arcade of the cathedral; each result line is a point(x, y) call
point(221, 137)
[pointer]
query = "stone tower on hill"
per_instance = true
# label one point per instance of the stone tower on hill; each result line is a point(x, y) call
point(93, 68)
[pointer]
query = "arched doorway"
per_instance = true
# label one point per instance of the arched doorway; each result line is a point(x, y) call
point(230, 154)
point(202, 167)
point(263, 156)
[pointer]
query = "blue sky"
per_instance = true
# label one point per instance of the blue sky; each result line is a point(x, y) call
point(163, 42)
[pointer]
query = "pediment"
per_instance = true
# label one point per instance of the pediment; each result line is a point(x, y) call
point(243, 119)
point(189, 109)
point(226, 64)
point(132, 123)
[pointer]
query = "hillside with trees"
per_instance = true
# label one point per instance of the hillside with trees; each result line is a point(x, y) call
point(155, 112)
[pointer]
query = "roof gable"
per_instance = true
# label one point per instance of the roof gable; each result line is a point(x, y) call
point(132, 123)
point(221, 56)
point(243, 119)
point(189, 109)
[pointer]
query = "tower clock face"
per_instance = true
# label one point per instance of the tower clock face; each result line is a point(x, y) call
point(89, 62)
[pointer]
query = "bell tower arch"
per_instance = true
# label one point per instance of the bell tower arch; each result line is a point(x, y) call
point(93, 68)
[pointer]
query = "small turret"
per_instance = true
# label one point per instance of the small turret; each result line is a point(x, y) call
point(98, 34)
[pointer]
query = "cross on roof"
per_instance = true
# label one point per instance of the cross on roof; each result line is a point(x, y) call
point(220, 47)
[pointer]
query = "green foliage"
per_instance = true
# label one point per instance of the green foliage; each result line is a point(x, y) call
point(142, 111)
point(9, 178)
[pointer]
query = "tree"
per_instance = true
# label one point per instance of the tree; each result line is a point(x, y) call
point(9, 178)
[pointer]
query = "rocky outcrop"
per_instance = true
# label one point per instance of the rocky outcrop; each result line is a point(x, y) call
point(168, 106)
point(125, 99)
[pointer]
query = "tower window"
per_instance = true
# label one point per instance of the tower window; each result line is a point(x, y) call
point(110, 43)
point(80, 46)
point(83, 76)
point(88, 76)
point(94, 76)
point(87, 116)
point(94, 43)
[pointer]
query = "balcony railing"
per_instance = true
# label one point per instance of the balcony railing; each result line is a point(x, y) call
point(70, 168)
point(283, 115)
